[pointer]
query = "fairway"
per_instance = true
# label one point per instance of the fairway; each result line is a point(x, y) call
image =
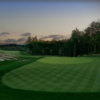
point(17, 53)
point(57, 74)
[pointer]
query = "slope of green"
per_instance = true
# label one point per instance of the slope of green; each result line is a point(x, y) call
point(46, 77)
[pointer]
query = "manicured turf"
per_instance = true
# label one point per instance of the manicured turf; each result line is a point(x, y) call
point(17, 53)
point(91, 78)
point(46, 77)
point(66, 60)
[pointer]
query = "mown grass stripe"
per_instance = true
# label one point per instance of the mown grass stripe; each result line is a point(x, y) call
point(75, 82)
point(96, 85)
point(83, 85)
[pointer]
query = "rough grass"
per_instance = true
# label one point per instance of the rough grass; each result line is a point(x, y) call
point(46, 77)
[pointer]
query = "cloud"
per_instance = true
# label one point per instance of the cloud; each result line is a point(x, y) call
point(21, 39)
point(26, 34)
point(13, 41)
point(10, 41)
point(53, 37)
point(4, 33)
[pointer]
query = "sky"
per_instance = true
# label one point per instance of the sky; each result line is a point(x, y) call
point(45, 18)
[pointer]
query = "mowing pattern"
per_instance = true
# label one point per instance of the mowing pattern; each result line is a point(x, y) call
point(56, 77)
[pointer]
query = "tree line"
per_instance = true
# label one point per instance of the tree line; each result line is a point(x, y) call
point(81, 43)
point(12, 47)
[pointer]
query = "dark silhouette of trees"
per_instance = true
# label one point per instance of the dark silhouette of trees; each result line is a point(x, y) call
point(80, 43)
point(12, 47)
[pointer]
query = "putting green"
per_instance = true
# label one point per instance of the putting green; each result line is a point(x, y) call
point(66, 60)
point(39, 76)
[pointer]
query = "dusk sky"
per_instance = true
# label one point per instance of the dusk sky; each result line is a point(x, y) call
point(46, 18)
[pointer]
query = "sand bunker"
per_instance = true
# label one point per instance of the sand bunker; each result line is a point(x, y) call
point(4, 57)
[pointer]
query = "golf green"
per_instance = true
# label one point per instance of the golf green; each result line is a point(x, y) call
point(56, 74)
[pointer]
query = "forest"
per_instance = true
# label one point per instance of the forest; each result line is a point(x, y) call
point(81, 43)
